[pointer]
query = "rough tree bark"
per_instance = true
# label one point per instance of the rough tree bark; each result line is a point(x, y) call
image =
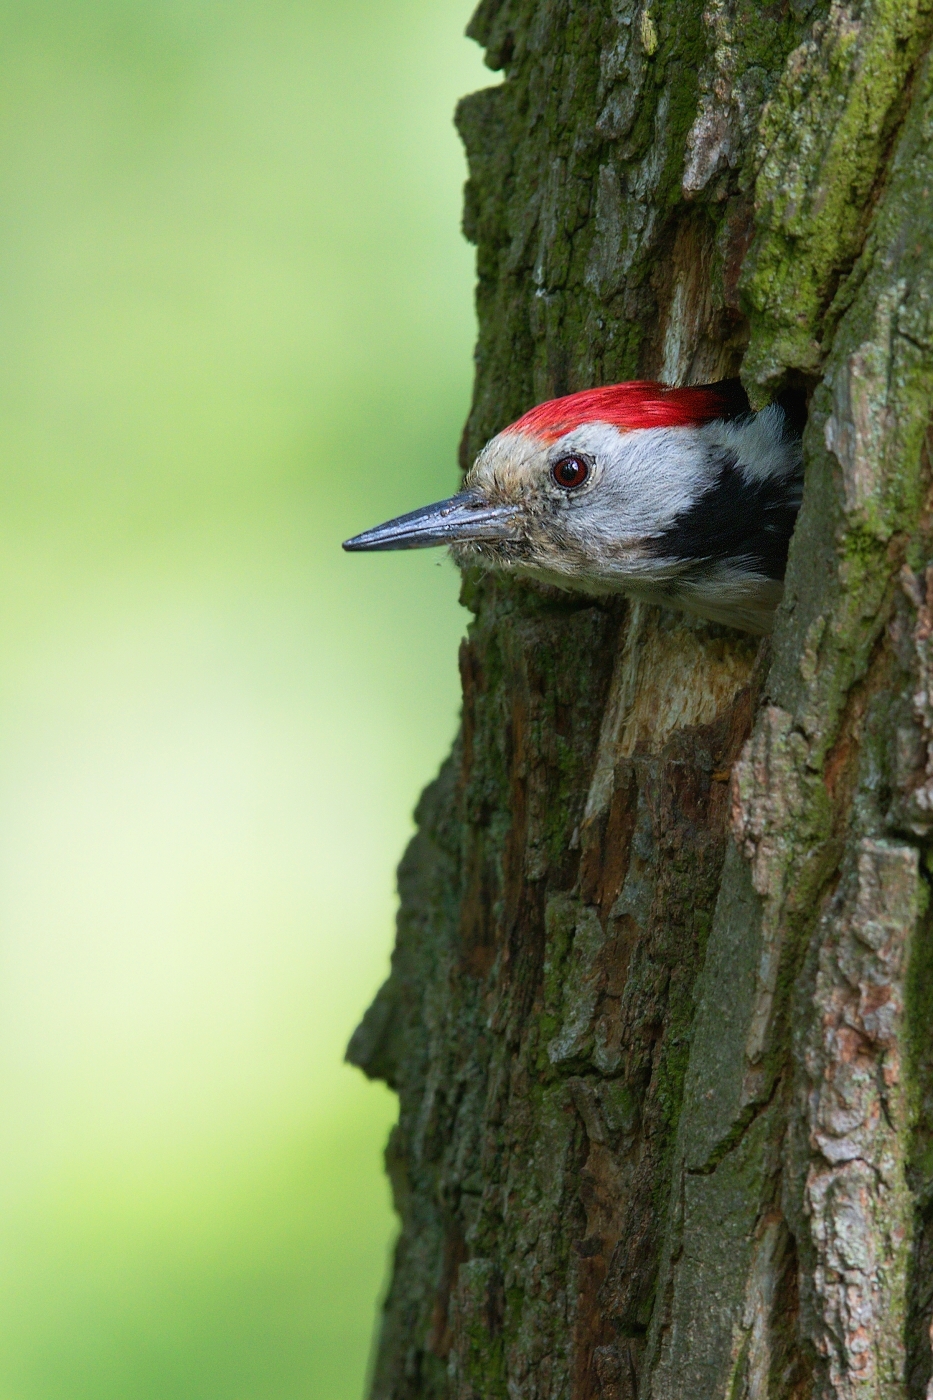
point(661, 1009)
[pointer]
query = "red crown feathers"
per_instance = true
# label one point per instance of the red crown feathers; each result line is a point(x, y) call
point(639, 404)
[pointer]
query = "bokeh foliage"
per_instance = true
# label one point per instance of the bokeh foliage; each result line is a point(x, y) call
point(237, 327)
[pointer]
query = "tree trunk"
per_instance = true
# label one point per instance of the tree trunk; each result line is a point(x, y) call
point(661, 1009)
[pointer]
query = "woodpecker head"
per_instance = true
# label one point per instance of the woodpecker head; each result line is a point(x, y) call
point(678, 496)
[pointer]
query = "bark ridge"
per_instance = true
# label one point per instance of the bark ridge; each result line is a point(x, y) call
point(660, 1004)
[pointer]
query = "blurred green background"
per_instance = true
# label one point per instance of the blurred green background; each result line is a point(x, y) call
point(236, 327)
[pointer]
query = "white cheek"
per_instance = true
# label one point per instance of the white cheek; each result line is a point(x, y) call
point(645, 479)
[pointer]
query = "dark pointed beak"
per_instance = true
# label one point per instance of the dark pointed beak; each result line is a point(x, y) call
point(462, 517)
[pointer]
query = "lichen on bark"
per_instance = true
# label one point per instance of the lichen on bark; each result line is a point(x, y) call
point(659, 1011)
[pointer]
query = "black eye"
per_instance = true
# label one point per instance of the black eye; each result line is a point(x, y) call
point(570, 472)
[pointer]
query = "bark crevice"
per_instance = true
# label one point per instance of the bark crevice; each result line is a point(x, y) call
point(659, 1008)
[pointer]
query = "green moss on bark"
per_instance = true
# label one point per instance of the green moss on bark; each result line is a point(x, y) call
point(642, 1086)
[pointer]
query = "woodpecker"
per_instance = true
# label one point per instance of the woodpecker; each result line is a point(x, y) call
point(676, 496)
